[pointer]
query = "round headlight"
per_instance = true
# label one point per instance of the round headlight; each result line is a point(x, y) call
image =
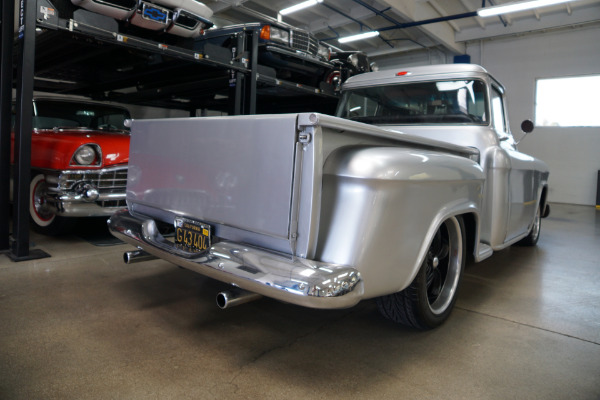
point(85, 155)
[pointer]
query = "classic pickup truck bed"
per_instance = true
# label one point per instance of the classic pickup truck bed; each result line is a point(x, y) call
point(269, 187)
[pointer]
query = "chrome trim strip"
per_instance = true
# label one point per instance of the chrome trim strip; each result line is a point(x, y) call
point(328, 121)
point(92, 171)
point(85, 210)
point(78, 197)
point(294, 280)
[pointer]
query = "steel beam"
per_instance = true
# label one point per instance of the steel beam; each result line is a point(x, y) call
point(6, 75)
point(253, 74)
point(23, 127)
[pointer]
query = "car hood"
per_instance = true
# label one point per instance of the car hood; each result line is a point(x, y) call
point(53, 149)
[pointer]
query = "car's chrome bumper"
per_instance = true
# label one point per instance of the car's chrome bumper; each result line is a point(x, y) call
point(86, 193)
point(294, 280)
point(79, 208)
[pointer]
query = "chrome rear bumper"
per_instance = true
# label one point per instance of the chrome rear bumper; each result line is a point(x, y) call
point(294, 280)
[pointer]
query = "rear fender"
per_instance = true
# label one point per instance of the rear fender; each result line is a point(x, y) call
point(381, 207)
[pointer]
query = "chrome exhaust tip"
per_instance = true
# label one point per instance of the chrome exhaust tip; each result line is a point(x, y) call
point(235, 297)
point(131, 257)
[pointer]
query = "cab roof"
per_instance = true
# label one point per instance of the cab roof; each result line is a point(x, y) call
point(413, 74)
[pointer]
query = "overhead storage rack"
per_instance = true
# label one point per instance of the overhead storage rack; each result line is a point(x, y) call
point(61, 49)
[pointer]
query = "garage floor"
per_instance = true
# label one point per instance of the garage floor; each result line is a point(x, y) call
point(83, 325)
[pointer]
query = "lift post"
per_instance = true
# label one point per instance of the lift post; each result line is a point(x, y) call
point(6, 73)
point(23, 126)
point(81, 28)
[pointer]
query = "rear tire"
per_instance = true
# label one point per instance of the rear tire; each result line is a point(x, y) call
point(429, 299)
point(43, 219)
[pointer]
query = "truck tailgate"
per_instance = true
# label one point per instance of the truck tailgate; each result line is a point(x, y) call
point(236, 172)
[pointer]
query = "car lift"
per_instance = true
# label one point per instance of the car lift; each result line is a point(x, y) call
point(245, 77)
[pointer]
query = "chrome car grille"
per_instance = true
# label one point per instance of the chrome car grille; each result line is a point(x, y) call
point(109, 181)
point(305, 42)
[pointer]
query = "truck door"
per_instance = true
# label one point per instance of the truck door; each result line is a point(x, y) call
point(521, 201)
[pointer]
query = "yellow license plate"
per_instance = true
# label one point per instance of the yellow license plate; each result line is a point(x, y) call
point(192, 236)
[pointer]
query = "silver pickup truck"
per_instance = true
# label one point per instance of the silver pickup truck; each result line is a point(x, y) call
point(416, 173)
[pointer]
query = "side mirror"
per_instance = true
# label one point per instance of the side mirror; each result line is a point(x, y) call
point(527, 126)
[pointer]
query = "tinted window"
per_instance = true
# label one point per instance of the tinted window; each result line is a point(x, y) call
point(457, 101)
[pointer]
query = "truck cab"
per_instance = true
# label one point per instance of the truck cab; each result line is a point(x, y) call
point(464, 105)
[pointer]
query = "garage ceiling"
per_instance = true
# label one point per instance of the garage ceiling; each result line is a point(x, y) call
point(332, 19)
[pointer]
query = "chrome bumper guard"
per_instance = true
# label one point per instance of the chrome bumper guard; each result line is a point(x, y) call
point(86, 193)
point(294, 280)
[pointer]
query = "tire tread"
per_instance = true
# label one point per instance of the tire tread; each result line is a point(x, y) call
point(405, 307)
point(400, 307)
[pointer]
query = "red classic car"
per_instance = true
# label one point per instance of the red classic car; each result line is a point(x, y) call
point(79, 155)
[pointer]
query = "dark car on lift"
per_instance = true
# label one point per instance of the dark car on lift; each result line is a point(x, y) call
point(291, 53)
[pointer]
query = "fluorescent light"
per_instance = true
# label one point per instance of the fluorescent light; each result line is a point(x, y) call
point(360, 36)
point(516, 6)
point(299, 6)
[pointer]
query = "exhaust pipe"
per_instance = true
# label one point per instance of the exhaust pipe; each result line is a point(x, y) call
point(231, 298)
point(131, 257)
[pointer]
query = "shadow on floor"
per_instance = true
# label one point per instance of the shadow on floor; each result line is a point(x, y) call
point(95, 231)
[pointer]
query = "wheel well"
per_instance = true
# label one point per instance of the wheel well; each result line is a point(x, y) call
point(470, 223)
point(543, 197)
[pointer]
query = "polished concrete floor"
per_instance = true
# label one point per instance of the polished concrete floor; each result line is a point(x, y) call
point(82, 325)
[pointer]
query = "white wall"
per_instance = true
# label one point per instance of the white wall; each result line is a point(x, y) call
point(573, 154)
point(415, 58)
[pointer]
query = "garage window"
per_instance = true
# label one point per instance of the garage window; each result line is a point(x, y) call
point(569, 101)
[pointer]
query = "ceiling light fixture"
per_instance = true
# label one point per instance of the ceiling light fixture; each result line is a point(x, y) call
point(360, 36)
point(299, 6)
point(517, 6)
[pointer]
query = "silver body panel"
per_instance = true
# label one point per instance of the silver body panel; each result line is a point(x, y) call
point(242, 188)
point(514, 180)
point(320, 190)
point(282, 187)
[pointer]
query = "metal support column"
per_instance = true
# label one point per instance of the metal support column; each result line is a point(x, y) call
point(253, 73)
point(6, 74)
point(23, 127)
point(236, 80)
